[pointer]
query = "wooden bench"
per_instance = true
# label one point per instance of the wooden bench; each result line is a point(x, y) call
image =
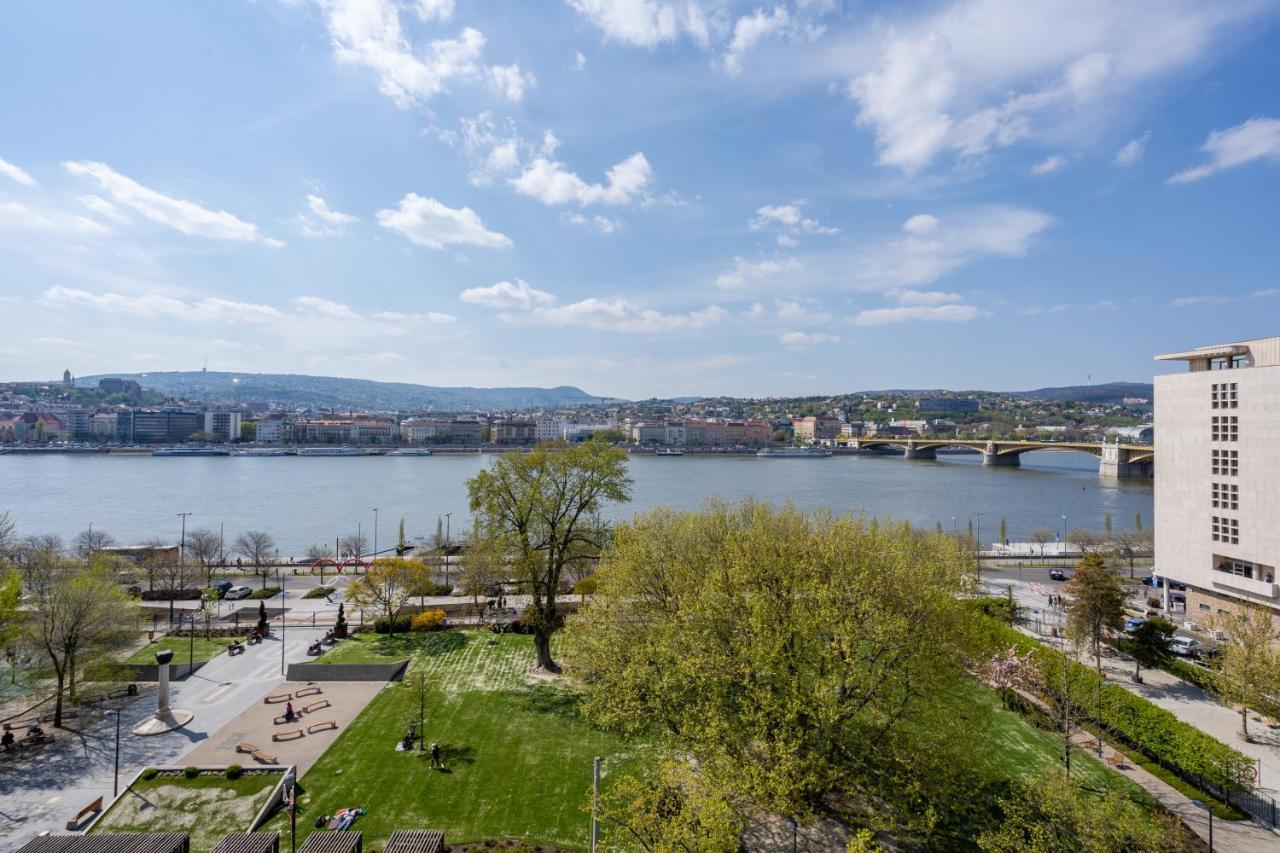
point(280, 721)
point(1115, 760)
point(277, 698)
point(309, 691)
point(93, 808)
point(319, 727)
point(316, 706)
point(20, 724)
point(292, 734)
point(263, 758)
point(247, 747)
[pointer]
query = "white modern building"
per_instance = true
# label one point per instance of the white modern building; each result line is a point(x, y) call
point(1217, 481)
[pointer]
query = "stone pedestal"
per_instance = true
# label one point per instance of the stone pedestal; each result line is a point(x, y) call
point(165, 719)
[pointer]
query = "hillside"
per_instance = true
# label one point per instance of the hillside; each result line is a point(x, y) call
point(1109, 392)
point(292, 390)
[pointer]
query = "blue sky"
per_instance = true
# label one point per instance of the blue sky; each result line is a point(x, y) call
point(639, 197)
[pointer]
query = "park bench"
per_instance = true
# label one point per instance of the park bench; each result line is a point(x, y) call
point(316, 706)
point(281, 720)
point(20, 724)
point(277, 698)
point(309, 691)
point(322, 726)
point(250, 748)
point(93, 808)
point(1115, 760)
point(291, 734)
point(263, 758)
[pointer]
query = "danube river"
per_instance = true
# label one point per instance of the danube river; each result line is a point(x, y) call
point(300, 501)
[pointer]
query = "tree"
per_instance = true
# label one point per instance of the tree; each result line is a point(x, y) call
point(542, 508)
point(1149, 644)
point(8, 536)
point(675, 812)
point(1051, 814)
point(1137, 520)
point(203, 546)
point(1129, 544)
point(318, 551)
point(1096, 603)
point(437, 541)
point(385, 586)
point(1004, 531)
point(1041, 536)
point(86, 542)
point(353, 547)
point(152, 554)
point(75, 611)
point(1084, 539)
point(796, 660)
point(1106, 525)
point(256, 547)
point(1249, 669)
point(483, 572)
point(172, 576)
point(11, 614)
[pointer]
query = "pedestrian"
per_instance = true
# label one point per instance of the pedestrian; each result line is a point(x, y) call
point(435, 756)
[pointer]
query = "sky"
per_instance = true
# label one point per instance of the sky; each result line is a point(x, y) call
point(638, 197)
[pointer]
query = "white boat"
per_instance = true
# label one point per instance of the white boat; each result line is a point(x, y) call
point(793, 453)
point(410, 451)
point(191, 451)
point(262, 451)
point(330, 451)
point(668, 451)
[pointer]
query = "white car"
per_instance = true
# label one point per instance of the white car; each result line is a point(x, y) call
point(1187, 647)
point(237, 592)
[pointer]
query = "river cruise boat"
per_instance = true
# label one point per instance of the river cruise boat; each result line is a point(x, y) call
point(410, 451)
point(191, 451)
point(793, 453)
point(262, 451)
point(668, 451)
point(330, 451)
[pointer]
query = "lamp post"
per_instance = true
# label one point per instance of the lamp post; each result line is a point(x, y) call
point(290, 780)
point(375, 533)
point(280, 581)
point(595, 803)
point(1205, 806)
point(115, 782)
point(1064, 535)
point(182, 543)
point(448, 516)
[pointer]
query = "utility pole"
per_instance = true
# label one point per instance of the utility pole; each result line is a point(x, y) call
point(222, 560)
point(375, 533)
point(448, 516)
point(182, 543)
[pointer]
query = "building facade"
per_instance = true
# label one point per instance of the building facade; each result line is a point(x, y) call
point(1217, 486)
point(947, 404)
point(816, 429)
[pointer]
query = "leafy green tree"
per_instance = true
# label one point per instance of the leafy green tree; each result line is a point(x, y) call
point(11, 614)
point(1050, 814)
point(1106, 525)
point(1148, 644)
point(798, 660)
point(386, 586)
point(1004, 531)
point(542, 509)
point(1249, 669)
point(1096, 603)
point(676, 812)
point(1137, 520)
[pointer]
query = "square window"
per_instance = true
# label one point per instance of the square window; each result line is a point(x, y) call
point(1204, 608)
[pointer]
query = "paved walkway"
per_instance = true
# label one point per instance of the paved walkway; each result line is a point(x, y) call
point(41, 791)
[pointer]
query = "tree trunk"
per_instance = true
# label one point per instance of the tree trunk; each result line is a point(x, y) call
point(542, 644)
point(1244, 720)
point(57, 702)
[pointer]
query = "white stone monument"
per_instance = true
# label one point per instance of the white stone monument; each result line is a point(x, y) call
point(165, 719)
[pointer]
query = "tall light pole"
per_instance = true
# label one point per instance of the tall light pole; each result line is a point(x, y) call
point(595, 803)
point(222, 560)
point(375, 533)
point(448, 532)
point(1063, 547)
point(280, 581)
point(115, 783)
point(182, 543)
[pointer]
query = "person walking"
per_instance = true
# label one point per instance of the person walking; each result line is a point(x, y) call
point(435, 757)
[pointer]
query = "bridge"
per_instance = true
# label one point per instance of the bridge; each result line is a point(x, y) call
point(1114, 460)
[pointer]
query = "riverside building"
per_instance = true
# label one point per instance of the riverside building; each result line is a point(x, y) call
point(1217, 487)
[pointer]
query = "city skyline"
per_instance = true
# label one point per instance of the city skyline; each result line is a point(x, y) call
point(637, 197)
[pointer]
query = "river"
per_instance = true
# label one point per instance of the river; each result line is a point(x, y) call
point(300, 501)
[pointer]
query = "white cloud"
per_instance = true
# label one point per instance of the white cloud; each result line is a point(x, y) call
point(504, 294)
point(750, 30)
point(491, 151)
point(509, 82)
point(367, 33)
point(603, 224)
point(1256, 139)
point(1050, 164)
point(179, 214)
point(644, 23)
point(974, 75)
point(434, 10)
point(805, 340)
point(619, 315)
point(321, 220)
point(102, 207)
point(1131, 152)
point(579, 61)
point(795, 311)
point(326, 308)
point(429, 223)
point(1191, 301)
point(921, 224)
point(210, 308)
point(16, 216)
point(927, 297)
point(14, 173)
point(550, 183)
point(745, 271)
point(431, 318)
point(790, 220)
point(917, 313)
point(378, 358)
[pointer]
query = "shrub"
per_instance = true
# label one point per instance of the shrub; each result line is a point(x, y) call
point(234, 771)
point(269, 592)
point(150, 773)
point(428, 620)
point(1153, 602)
point(399, 625)
point(319, 592)
point(194, 593)
point(191, 771)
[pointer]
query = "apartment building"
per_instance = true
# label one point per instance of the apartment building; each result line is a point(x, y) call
point(1217, 485)
point(512, 431)
point(816, 429)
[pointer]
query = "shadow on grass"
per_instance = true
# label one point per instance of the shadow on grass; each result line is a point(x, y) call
point(409, 645)
point(545, 699)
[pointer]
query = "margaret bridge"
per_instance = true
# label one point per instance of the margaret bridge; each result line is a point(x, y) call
point(1114, 460)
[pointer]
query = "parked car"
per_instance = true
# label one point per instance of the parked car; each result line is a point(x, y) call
point(1057, 575)
point(223, 587)
point(1131, 624)
point(1187, 647)
point(1158, 583)
point(238, 592)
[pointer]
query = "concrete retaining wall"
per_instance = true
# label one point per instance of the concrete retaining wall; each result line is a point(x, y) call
point(145, 672)
point(347, 671)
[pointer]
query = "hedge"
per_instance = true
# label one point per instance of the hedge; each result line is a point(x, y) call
point(1137, 721)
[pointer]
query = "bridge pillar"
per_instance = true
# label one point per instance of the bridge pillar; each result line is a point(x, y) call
point(991, 456)
point(910, 451)
point(1114, 463)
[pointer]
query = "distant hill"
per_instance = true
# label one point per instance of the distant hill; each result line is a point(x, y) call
point(292, 390)
point(1109, 392)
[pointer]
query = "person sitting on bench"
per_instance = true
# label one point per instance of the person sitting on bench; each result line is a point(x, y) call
point(7, 740)
point(289, 715)
point(314, 648)
point(34, 732)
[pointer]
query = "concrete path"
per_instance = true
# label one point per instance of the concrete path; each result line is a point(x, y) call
point(41, 791)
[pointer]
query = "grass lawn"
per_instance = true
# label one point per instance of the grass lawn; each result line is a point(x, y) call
point(518, 755)
point(380, 648)
point(207, 807)
point(205, 649)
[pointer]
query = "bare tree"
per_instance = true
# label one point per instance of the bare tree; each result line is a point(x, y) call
point(1086, 540)
point(318, 551)
point(8, 536)
point(483, 572)
point(353, 546)
point(1041, 536)
point(154, 552)
point(88, 542)
point(172, 577)
point(203, 546)
point(256, 547)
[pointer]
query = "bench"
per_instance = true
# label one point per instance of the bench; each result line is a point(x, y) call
point(263, 758)
point(247, 747)
point(292, 734)
point(20, 724)
point(316, 706)
point(280, 721)
point(93, 808)
point(319, 727)
point(277, 698)
point(1115, 760)
point(309, 691)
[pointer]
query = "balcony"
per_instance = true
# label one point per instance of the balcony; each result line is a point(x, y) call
point(1238, 583)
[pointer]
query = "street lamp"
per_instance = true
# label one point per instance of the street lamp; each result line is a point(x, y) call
point(375, 533)
point(447, 538)
point(182, 543)
point(280, 581)
point(1204, 806)
point(289, 780)
point(115, 782)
